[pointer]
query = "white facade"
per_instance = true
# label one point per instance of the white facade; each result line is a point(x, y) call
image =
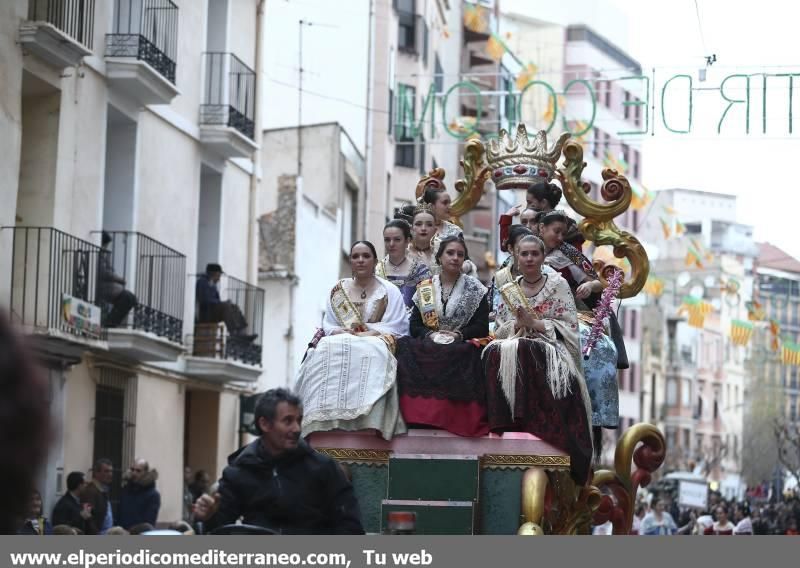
point(308, 226)
point(99, 139)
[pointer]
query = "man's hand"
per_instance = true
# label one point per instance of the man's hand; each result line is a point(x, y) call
point(514, 211)
point(206, 506)
point(86, 513)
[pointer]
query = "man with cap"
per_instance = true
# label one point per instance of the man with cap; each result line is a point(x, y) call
point(211, 307)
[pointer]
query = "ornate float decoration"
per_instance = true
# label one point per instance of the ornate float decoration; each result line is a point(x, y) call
point(430, 468)
point(516, 163)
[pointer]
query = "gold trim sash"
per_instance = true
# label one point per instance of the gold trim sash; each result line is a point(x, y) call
point(514, 297)
point(427, 304)
point(345, 311)
point(380, 269)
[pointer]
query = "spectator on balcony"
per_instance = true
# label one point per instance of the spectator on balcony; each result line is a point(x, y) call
point(111, 286)
point(213, 310)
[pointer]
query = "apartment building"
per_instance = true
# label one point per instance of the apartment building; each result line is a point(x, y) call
point(137, 118)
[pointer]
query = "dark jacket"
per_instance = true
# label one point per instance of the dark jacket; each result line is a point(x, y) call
point(98, 499)
point(68, 512)
point(140, 501)
point(298, 492)
point(39, 526)
point(206, 295)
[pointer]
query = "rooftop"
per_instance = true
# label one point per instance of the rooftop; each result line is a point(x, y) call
point(770, 256)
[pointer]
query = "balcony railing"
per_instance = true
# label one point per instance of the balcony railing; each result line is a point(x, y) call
point(73, 17)
point(54, 282)
point(156, 275)
point(146, 30)
point(212, 339)
point(250, 300)
point(229, 97)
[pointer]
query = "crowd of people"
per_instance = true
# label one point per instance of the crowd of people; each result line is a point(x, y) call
point(661, 515)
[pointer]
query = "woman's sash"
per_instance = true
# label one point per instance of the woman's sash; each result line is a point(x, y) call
point(380, 269)
point(344, 309)
point(427, 304)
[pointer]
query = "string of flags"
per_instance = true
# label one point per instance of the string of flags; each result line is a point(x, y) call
point(741, 332)
point(654, 286)
point(697, 309)
point(790, 353)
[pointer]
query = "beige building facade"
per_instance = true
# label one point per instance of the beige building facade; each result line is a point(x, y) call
point(137, 118)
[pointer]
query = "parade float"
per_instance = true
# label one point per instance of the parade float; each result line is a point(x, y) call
point(510, 483)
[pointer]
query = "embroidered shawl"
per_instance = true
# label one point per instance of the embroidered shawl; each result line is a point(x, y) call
point(461, 305)
point(385, 308)
point(555, 306)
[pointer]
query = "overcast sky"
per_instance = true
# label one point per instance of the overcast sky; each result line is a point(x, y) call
point(747, 38)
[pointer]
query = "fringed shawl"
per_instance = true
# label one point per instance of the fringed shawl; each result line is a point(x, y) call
point(555, 306)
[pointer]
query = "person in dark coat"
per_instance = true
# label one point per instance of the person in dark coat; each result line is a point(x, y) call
point(212, 309)
point(68, 509)
point(281, 483)
point(111, 286)
point(139, 500)
point(95, 497)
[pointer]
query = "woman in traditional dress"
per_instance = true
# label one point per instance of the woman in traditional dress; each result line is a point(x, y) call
point(439, 372)
point(398, 266)
point(423, 229)
point(533, 369)
point(541, 198)
point(439, 201)
point(348, 381)
point(600, 370)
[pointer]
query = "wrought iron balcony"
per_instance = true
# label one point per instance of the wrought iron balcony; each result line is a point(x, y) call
point(54, 278)
point(155, 274)
point(229, 97)
point(146, 30)
point(212, 339)
point(59, 31)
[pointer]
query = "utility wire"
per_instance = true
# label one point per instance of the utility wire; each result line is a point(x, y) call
point(700, 27)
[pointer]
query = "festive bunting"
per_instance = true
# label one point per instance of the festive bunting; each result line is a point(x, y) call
point(696, 309)
point(755, 311)
point(680, 228)
point(654, 286)
point(476, 19)
point(741, 331)
point(550, 112)
point(668, 210)
point(614, 162)
point(775, 330)
point(495, 47)
point(693, 257)
point(666, 228)
point(790, 353)
point(526, 76)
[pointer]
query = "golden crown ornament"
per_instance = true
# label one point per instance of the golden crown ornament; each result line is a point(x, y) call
point(517, 163)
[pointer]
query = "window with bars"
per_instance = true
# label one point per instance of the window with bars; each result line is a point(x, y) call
point(405, 146)
point(406, 31)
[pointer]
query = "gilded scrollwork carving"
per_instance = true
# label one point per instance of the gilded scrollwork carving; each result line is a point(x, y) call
point(598, 224)
point(621, 484)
